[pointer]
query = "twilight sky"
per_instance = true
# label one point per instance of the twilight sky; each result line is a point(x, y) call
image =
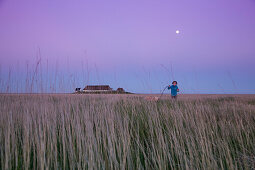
point(130, 44)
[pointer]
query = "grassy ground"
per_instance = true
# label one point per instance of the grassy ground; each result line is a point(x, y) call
point(126, 132)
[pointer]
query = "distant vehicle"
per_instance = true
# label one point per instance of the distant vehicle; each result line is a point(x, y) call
point(77, 90)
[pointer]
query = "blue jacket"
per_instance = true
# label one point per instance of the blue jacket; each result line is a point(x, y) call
point(174, 90)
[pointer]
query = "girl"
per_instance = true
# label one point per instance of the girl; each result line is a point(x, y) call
point(174, 89)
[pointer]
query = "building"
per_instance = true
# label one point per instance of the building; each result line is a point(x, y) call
point(97, 88)
point(120, 90)
point(105, 89)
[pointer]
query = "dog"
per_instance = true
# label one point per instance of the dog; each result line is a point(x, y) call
point(151, 98)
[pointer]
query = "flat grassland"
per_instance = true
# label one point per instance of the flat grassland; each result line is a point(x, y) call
point(71, 131)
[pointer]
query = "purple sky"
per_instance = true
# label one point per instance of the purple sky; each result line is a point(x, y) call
point(132, 43)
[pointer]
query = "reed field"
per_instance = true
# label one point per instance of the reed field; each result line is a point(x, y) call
point(78, 131)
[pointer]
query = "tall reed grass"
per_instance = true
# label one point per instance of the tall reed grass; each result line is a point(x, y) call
point(125, 132)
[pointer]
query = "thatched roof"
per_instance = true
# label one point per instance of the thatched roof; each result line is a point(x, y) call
point(97, 87)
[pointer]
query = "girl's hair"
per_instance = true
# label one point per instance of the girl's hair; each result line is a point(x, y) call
point(174, 82)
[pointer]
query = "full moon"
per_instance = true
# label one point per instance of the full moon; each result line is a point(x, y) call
point(177, 31)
